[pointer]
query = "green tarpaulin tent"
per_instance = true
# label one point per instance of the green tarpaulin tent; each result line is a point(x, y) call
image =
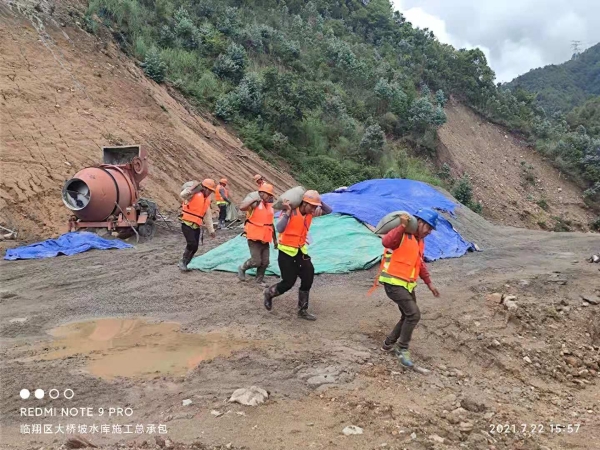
point(339, 244)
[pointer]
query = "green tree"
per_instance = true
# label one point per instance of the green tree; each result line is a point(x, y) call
point(153, 65)
point(372, 143)
point(232, 64)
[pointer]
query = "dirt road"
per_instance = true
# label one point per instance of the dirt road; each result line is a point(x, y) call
point(161, 337)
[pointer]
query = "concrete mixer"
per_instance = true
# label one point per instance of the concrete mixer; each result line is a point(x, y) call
point(107, 196)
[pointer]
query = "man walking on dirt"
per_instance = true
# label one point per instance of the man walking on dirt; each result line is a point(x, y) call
point(222, 201)
point(195, 213)
point(293, 259)
point(259, 231)
point(401, 265)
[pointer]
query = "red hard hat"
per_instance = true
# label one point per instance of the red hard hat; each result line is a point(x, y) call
point(257, 177)
point(312, 198)
point(223, 181)
point(209, 184)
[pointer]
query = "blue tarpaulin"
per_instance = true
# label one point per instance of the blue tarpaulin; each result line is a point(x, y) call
point(369, 201)
point(67, 244)
point(340, 243)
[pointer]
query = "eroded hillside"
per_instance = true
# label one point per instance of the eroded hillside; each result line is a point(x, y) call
point(65, 93)
point(515, 184)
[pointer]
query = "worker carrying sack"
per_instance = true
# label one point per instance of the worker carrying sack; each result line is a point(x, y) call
point(393, 219)
point(293, 195)
point(193, 186)
point(252, 196)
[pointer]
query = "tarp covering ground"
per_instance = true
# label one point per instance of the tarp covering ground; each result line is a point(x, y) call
point(341, 243)
point(67, 244)
point(338, 244)
point(369, 201)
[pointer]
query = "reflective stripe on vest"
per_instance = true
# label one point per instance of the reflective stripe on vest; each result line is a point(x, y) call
point(218, 197)
point(401, 267)
point(296, 230)
point(259, 225)
point(195, 209)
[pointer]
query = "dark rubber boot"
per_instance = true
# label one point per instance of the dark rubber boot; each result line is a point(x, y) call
point(184, 261)
point(269, 294)
point(303, 306)
point(260, 276)
point(241, 273)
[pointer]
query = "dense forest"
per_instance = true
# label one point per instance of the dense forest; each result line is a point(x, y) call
point(562, 87)
point(343, 90)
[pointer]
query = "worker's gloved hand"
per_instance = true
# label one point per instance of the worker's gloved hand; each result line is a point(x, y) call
point(404, 219)
point(433, 290)
point(287, 208)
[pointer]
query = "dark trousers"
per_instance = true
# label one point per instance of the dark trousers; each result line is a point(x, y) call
point(259, 255)
point(291, 268)
point(410, 315)
point(222, 213)
point(192, 237)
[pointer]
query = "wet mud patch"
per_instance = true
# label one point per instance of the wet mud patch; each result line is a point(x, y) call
point(136, 348)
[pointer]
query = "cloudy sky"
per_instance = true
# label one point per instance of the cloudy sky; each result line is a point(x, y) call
point(515, 35)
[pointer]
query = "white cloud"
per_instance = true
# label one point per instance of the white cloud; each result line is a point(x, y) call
point(421, 19)
point(515, 35)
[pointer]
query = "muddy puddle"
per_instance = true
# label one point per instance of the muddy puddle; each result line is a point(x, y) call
point(135, 348)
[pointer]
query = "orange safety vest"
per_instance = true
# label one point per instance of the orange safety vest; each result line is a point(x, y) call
point(195, 209)
point(405, 262)
point(296, 230)
point(218, 197)
point(259, 225)
point(401, 266)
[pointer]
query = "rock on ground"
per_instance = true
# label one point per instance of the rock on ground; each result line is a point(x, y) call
point(252, 396)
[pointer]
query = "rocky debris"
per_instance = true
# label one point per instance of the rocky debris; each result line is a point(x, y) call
point(186, 402)
point(465, 427)
point(473, 404)
point(572, 361)
point(352, 429)
point(527, 359)
point(437, 439)
point(78, 442)
point(594, 259)
point(216, 413)
point(591, 299)
point(496, 297)
point(252, 396)
point(509, 302)
point(594, 329)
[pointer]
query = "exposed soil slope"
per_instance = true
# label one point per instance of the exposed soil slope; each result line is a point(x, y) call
point(513, 182)
point(64, 94)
